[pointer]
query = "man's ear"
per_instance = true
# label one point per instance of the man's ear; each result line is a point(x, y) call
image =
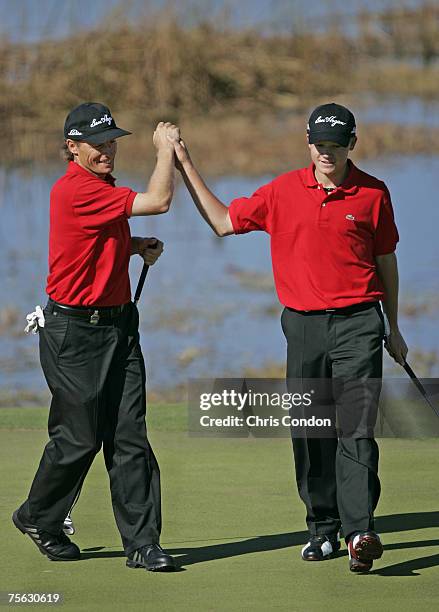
point(352, 143)
point(72, 146)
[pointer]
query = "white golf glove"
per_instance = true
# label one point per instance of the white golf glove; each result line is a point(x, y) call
point(34, 320)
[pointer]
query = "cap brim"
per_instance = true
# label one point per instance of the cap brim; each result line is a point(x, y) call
point(341, 139)
point(102, 136)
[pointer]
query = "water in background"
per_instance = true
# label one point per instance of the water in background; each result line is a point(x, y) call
point(30, 21)
point(201, 311)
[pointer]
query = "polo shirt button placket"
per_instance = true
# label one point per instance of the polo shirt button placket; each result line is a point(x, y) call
point(323, 213)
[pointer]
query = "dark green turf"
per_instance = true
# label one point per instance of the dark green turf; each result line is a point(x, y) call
point(233, 519)
point(161, 417)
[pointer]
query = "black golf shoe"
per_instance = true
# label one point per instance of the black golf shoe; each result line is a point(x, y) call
point(55, 547)
point(320, 548)
point(151, 557)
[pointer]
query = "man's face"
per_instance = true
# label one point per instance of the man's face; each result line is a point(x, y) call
point(329, 157)
point(98, 159)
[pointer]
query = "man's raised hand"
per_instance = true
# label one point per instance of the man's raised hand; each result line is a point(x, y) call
point(164, 135)
point(182, 156)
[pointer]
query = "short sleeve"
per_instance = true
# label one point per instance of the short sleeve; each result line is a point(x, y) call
point(386, 233)
point(252, 214)
point(98, 204)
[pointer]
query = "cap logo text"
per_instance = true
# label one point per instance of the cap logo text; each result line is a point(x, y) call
point(105, 119)
point(332, 120)
point(74, 132)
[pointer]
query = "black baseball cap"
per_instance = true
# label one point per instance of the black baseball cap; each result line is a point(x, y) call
point(332, 122)
point(92, 122)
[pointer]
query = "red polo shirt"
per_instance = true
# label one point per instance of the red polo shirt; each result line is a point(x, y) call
point(323, 246)
point(89, 240)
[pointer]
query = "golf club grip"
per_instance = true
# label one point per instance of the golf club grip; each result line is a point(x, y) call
point(141, 282)
point(143, 277)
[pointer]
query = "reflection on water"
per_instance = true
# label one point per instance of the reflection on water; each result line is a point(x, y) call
point(201, 313)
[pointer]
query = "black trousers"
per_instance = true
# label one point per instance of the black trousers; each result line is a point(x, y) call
point(96, 374)
point(337, 475)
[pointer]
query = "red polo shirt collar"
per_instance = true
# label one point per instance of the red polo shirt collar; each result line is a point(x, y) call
point(74, 168)
point(349, 185)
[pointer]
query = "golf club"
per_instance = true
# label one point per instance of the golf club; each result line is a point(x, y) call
point(410, 372)
point(420, 387)
point(142, 278)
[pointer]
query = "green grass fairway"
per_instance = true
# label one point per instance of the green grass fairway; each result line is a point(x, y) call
point(233, 518)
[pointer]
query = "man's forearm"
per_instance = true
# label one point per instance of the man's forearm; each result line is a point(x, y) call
point(157, 198)
point(211, 208)
point(387, 269)
point(161, 183)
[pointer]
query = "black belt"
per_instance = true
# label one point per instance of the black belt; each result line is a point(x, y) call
point(347, 310)
point(93, 314)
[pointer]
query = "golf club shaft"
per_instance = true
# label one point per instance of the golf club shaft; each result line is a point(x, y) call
point(415, 379)
point(410, 372)
point(420, 387)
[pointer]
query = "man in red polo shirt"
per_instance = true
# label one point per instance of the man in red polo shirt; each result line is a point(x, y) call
point(333, 239)
point(89, 344)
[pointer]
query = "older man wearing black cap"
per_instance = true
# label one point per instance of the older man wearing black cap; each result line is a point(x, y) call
point(333, 239)
point(89, 344)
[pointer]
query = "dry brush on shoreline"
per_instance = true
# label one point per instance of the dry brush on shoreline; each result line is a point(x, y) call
point(248, 91)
